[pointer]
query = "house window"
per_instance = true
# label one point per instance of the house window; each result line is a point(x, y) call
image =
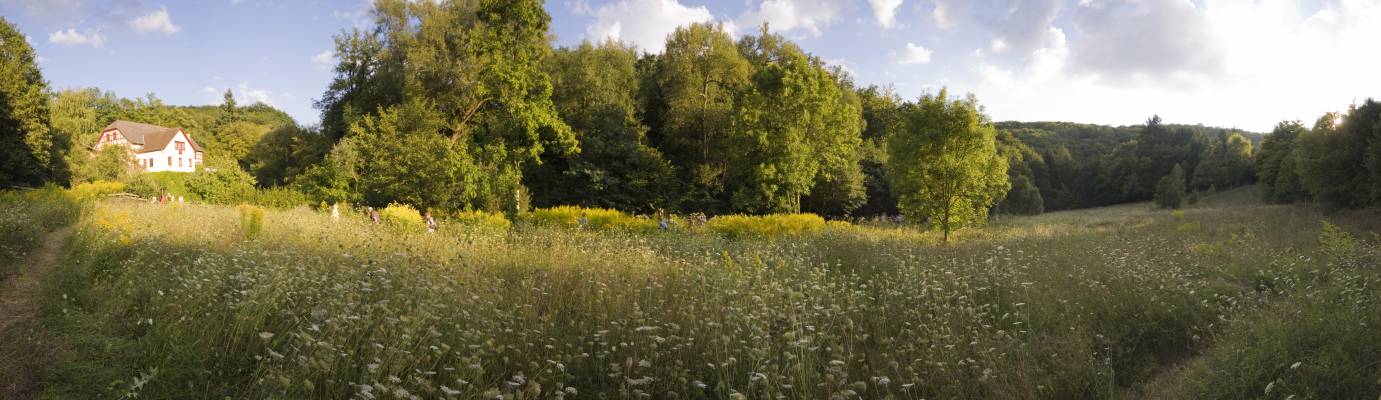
point(180, 147)
point(179, 162)
point(170, 161)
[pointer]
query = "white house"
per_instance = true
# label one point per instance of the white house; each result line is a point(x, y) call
point(156, 148)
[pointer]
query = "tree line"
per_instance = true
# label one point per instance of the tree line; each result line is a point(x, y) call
point(466, 105)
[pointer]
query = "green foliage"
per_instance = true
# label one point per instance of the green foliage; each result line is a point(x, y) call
point(403, 218)
point(766, 226)
point(111, 163)
point(279, 198)
point(1023, 199)
point(251, 221)
point(1276, 164)
point(31, 153)
point(1337, 160)
point(221, 186)
point(595, 92)
point(945, 165)
point(1170, 189)
point(698, 77)
point(794, 126)
point(479, 103)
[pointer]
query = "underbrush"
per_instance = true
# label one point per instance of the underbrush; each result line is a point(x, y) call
point(1066, 307)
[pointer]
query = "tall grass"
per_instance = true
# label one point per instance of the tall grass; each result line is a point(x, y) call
point(1073, 305)
point(26, 215)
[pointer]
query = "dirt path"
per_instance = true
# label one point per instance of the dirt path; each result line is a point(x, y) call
point(24, 350)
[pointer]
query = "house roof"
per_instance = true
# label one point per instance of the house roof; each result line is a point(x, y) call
point(151, 137)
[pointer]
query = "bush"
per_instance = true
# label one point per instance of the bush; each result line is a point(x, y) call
point(280, 198)
point(596, 218)
point(251, 221)
point(402, 217)
point(1170, 189)
point(223, 186)
point(482, 220)
point(767, 226)
point(97, 189)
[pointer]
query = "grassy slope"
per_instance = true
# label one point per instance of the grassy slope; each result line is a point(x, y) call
point(1082, 304)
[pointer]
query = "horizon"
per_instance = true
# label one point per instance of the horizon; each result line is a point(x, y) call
point(1213, 63)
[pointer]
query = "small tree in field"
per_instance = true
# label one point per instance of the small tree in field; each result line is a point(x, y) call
point(944, 164)
point(1170, 189)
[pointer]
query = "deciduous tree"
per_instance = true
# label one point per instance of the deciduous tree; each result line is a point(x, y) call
point(944, 164)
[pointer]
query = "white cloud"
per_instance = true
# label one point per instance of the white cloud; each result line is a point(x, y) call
point(324, 60)
point(579, 7)
point(644, 23)
point(244, 94)
point(157, 21)
point(1146, 41)
point(914, 54)
point(1270, 62)
point(842, 64)
point(71, 37)
point(943, 13)
point(885, 11)
point(251, 95)
point(788, 15)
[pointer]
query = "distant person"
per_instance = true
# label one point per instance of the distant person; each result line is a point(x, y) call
point(431, 222)
point(662, 222)
point(335, 212)
point(373, 215)
point(583, 221)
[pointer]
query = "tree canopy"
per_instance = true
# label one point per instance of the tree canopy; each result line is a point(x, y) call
point(944, 163)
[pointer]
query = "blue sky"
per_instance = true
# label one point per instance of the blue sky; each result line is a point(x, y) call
point(1235, 63)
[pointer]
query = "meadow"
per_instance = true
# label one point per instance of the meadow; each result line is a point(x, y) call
point(1227, 299)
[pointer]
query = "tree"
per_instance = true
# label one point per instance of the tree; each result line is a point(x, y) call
point(30, 152)
point(1334, 157)
point(1024, 167)
point(792, 125)
point(944, 164)
point(699, 76)
point(475, 69)
point(1170, 189)
point(595, 90)
point(1275, 164)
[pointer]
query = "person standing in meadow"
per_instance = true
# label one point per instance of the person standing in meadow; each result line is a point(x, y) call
point(583, 220)
point(373, 215)
point(335, 212)
point(662, 222)
point(431, 222)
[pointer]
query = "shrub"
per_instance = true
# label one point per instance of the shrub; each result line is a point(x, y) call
point(222, 186)
point(280, 198)
point(482, 220)
point(1170, 189)
point(596, 218)
point(402, 217)
point(251, 221)
point(767, 226)
point(97, 189)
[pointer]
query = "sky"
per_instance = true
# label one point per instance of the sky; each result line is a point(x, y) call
point(1246, 64)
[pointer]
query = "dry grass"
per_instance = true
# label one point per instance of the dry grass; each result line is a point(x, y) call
point(1066, 305)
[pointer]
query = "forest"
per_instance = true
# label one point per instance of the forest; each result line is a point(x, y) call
point(435, 109)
